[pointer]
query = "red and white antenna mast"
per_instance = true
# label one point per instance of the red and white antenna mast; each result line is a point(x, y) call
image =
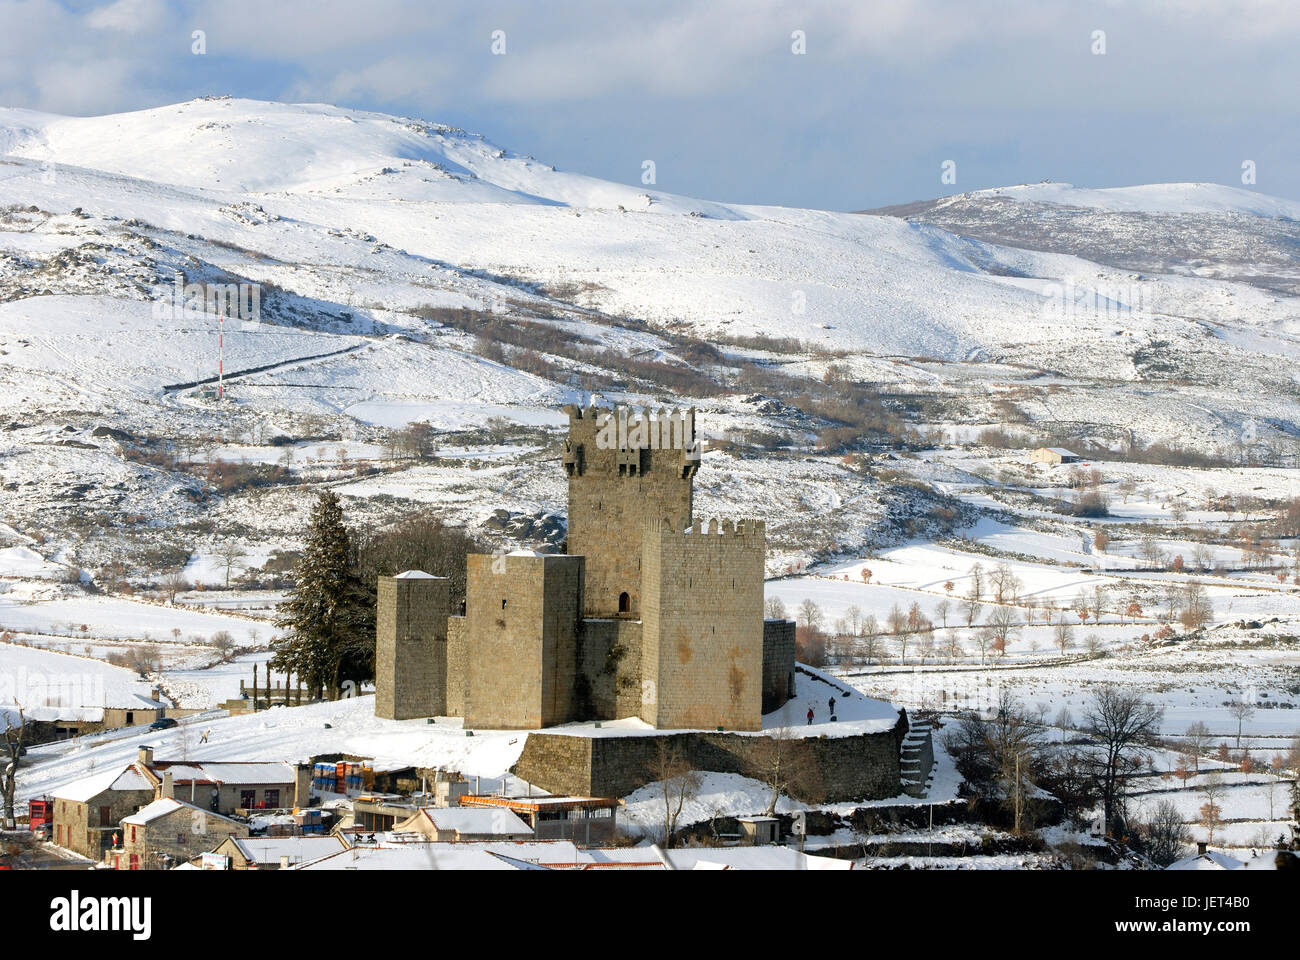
point(221, 353)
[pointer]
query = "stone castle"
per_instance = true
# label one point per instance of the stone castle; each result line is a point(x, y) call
point(650, 614)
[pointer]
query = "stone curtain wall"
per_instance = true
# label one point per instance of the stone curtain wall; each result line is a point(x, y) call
point(609, 668)
point(862, 767)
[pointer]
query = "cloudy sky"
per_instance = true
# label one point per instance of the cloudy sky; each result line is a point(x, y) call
point(714, 92)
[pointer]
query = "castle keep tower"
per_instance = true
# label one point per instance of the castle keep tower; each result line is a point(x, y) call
point(624, 469)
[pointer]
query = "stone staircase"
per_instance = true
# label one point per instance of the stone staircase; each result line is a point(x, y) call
point(916, 760)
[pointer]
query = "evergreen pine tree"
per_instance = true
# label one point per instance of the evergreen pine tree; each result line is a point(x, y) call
point(328, 634)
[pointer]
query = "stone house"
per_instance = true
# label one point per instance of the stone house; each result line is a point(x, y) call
point(88, 812)
point(228, 786)
point(167, 832)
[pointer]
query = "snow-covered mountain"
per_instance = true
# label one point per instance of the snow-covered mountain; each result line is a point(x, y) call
point(1145, 313)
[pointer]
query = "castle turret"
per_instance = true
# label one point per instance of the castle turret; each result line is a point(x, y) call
point(702, 624)
point(411, 646)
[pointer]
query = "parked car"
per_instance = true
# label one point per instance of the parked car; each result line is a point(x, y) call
point(165, 723)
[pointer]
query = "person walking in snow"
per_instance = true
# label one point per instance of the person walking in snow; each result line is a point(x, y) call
point(810, 716)
point(832, 705)
point(204, 738)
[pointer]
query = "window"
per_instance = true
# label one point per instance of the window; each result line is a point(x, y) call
point(135, 861)
point(272, 798)
point(133, 836)
point(130, 717)
point(248, 799)
point(104, 814)
point(624, 602)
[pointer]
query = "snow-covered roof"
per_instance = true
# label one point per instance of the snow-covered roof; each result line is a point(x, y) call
point(412, 856)
point(749, 858)
point(1060, 451)
point(1206, 861)
point(297, 849)
point(232, 772)
point(165, 805)
point(416, 575)
point(134, 701)
point(122, 778)
point(56, 714)
point(476, 820)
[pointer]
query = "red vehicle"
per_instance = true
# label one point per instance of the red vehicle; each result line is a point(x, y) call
point(40, 814)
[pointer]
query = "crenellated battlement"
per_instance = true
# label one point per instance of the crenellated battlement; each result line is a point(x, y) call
point(634, 428)
point(744, 528)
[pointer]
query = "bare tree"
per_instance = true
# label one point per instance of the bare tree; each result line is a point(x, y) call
point(1198, 735)
point(1197, 610)
point(941, 612)
point(781, 760)
point(1241, 710)
point(1003, 623)
point(677, 784)
point(173, 584)
point(1212, 810)
point(1120, 719)
point(14, 740)
point(774, 608)
point(231, 555)
point(1062, 633)
point(853, 617)
point(224, 643)
point(1164, 834)
point(1063, 721)
point(810, 615)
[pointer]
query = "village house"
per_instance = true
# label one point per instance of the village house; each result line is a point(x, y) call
point(88, 812)
point(167, 832)
point(584, 820)
point(226, 787)
point(60, 722)
point(1054, 455)
point(466, 824)
point(274, 853)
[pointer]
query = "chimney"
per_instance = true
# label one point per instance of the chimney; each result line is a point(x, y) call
point(1200, 848)
point(168, 788)
point(155, 693)
point(144, 756)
